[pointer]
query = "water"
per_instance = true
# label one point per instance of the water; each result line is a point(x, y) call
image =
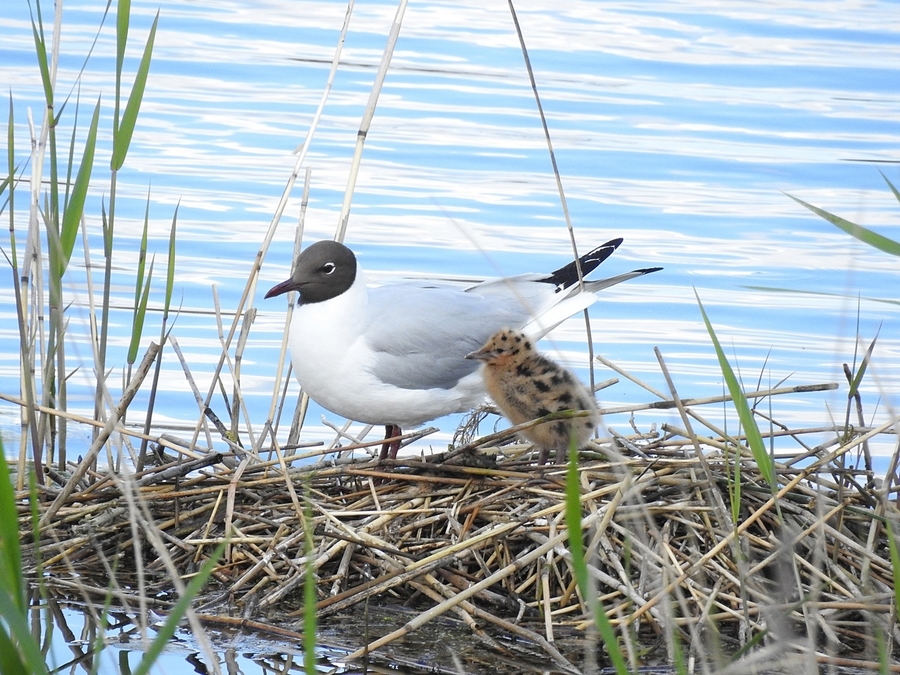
point(679, 126)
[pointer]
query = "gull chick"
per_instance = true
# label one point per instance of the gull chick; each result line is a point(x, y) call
point(527, 385)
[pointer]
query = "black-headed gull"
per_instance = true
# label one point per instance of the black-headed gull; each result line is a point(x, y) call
point(527, 385)
point(395, 355)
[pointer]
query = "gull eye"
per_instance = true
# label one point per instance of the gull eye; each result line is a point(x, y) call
point(329, 267)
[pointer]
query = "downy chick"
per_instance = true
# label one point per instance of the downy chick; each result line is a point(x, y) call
point(527, 385)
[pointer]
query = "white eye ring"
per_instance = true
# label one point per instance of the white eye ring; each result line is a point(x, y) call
point(328, 267)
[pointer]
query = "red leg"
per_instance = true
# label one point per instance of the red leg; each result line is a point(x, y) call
point(390, 447)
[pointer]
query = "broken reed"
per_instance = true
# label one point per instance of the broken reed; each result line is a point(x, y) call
point(486, 541)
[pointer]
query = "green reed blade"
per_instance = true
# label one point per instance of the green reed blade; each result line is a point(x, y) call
point(734, 492)
point(25, 655)
point(125, 127)
point(776, 289)
point(857, 378)
point(140, 312)
point(40, 51)
point(310, 623)
point(142, 254)
point(864, 234)
point(19, 650)
point(140, 290)
point(895, 565)
point(123, 18)
point(10, 166)
point(170, 267)
point(70, 164)
point(754, 438)
point(75, 207)
point(891, 185)
point(9, 656)
point(179, 610)
point(579, 565)
point(10, 551)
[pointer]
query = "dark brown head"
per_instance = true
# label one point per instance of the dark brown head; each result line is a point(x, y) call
point(324, 270)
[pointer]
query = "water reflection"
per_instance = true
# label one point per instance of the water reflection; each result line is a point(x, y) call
point(79, 641)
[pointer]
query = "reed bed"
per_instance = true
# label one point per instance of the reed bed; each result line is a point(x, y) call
point(479, 533)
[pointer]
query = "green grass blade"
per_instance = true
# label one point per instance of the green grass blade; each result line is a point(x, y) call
point(5, 184)
point(40, 51)
point(891, 185)
point(125, 129)
point(309, 589)
point(25, 650)
point(884, 653)
point(776, 289)
point(735, 492)
point(9, 655)
point(857, 378)
point(170, 267)
point(123, 18)
point(754, 438)
point(140, 313)
point(10, 165)
point(748, 646)
point(19, 650)
point(70, 164)
point(10, 552)
point(895, 565)
point(34, 502)
point(679, 662)
point(579, 566)
point(140, 291)
point(178, 611)
point(864, 234)
point(142, 255)
point(75, 207)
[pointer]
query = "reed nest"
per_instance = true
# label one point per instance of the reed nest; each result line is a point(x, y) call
point(480, 533)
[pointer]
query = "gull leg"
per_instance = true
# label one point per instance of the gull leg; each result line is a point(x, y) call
point(390, 447)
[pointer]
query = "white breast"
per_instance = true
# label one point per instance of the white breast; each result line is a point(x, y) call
point(334, 365)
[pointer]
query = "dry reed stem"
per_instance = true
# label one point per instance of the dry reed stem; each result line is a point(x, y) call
point(490, 544)
point(130, 391)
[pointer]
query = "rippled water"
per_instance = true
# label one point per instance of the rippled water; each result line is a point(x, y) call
point(678, 126)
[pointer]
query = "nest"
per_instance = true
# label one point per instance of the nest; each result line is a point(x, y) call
point(675, 552)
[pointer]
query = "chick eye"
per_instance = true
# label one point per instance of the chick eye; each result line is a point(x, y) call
point(328, 267)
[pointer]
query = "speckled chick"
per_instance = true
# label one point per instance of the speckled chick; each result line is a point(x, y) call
point(527, 385)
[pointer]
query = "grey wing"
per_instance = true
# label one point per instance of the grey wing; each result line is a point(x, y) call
point(421, 334)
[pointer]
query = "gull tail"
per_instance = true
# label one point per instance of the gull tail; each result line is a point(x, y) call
point(600, 284)
point(576, 301)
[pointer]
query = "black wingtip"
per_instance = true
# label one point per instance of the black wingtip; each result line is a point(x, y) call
point(615, 243)
point(649, 270)
point(567, 275)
